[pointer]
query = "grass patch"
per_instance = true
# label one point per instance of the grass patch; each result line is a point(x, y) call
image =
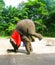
point(4, 36)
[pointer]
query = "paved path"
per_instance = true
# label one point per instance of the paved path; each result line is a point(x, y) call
point(45, 46)
point(32, 59)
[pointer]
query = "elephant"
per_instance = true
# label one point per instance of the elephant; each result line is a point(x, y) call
point(26, 28)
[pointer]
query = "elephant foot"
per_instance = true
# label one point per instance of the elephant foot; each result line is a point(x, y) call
point(28, 53)
point(12, 50)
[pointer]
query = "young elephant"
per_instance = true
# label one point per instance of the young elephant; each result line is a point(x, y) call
point(26, 28)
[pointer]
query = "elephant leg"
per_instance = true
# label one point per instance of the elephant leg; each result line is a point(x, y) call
point(27, 47)
point(33, 39)
point(30, 46)
point(14, 46)
point(27, 44)
point(39, 36)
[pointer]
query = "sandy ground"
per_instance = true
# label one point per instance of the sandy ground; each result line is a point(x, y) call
point(46, 45)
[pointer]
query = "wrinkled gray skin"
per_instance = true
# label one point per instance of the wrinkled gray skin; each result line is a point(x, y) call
point(26, 28)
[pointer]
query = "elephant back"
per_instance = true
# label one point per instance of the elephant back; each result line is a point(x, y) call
point(26, 26)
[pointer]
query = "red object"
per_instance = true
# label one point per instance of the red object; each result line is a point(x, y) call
point(16, 38)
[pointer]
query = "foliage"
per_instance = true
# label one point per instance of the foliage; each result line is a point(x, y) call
point(36, 10)
point(1, 4)
point(50, 4)
point(50, 23)
point(42, 12)
point(8, 20)
point(10, 28)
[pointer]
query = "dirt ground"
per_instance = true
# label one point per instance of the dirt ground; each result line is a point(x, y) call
point(46, 45)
